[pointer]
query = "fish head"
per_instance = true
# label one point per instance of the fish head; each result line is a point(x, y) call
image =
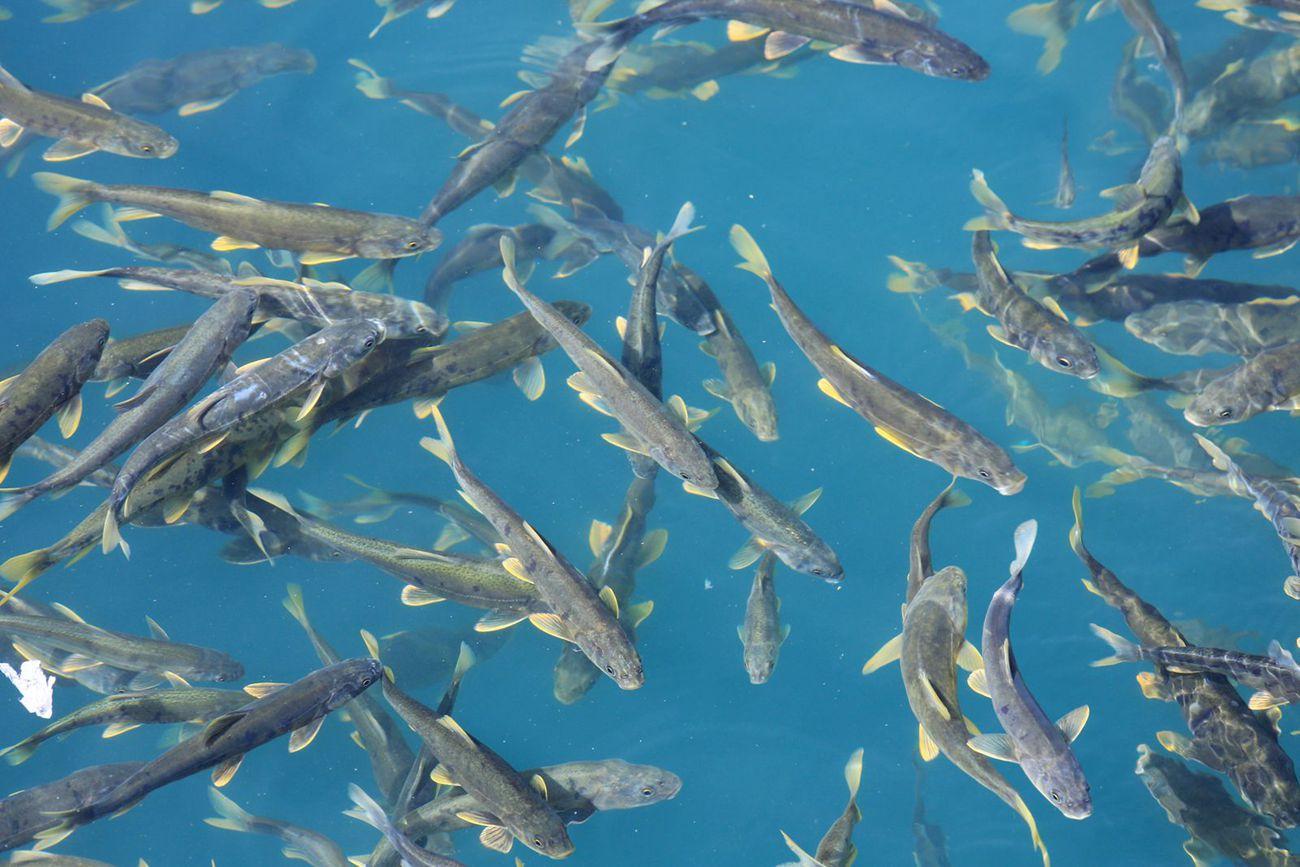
point(397, 238)
point(1219, 402)
point(756, 411)
point(624, 669)
point(91, 337)
point(814, 558)
point(551, 842)
point(1060, 780)
point(1063, 349)
point(939, 56)
point(356, 340)
point(983, 461)
point(134, 138)
point(627, 786)
point(350, 678)
point(429, 324)
point(224, 669)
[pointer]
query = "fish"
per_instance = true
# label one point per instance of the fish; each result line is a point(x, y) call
point(299, 843)
point(80, 127)
point(1278, 501)
point(667, 69)
point(34, 813)
point(308, 364)
point(871, 33)
point(479, 250)
point(91, 646)
point(1137, 100)
point(299, 707)
point(1153, 33)
point(576, 790)
point(60, 456)
point(126, 711)
point(316, 233)
point(1041, 747)
point(898, 415)
point(578, 614)
point(776, 526)
point(1065, 186)
point(376, 732)
point(745, 385)
point(929, 843)
point(1040, 328)
point(1115, 297)
point(1140, 208)
point(75, 10)
point(659, 431)
point(394, 9)
point(1217, 824)
point(1267, 381)
point(920, 563)
point(836, 848)
point(111, 233)
point(1253, 143)
point(511, 807)
point(762, 634)
point(1203, 327)
point(534, 118)
point(929, 649)
point(136, 356)
point(1050, 21)
point(206, 348)
point(368, 810)
point(311, 302)
point(1226, 735)
point(200, 81)
point(50, 384)
point(377, 505)
point(1242, 89)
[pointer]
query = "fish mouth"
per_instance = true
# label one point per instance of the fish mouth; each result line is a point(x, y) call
point(1011, 488)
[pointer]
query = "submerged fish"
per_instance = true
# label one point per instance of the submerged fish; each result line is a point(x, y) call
point(1050, 21)
point(1243, 89)
point(36, 813)
point(368, 810)
point(1266, 225)
point(836, 848)
point(50, 384)
point(900, 416)
point(1203, 327)
point(81, 127)
point(920, 564)
point(863, 33)
point(317, 233)
point(745, 384)
point(299, 843)
point(762, 634)
point(1153, 32)
point(1264, 382)
point(1141, 207)
point(1041, 747)
point(111, 233)
point(1065, 186)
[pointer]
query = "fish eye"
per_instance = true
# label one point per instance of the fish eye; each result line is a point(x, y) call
point(985, 474)
point(146, 148)
point(411, 245)
point(609, 669)
point(647, 791)
point(1055, 796)
point(420, 329)
point(537, 841)
point(370, 342)
point(1063, 361)
point(1225, 413)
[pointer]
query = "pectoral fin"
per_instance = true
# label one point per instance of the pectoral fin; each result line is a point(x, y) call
point(496, 838)
point(1073, 722)
point(201, 105)
point(997, 746)
point(925, 744)
point(889, 652)
point(225, 772)
point(978, 682)
point(969, 657)
point(66, 149)
point(70, 416)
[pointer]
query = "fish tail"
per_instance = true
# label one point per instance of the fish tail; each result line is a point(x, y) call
point(232, 816)
point(377, 277)
point(73, 194)
point(805, 860)
point(23, 569)
point(390, 15)
point(367, 810)
point(996, 213)
point(20, 752)
point(853, 774)
point(442, 448)
point(16, 500)
point(293, 603)
point(1125, 650)
point(681, 225)
point(1042, 20)
point(954, 497)
point(1119, 380)
point(45, 278)
point(113, 534)
point(1076, 531)
point(1025, 535)
point(615, 36)
point(465, 660)
point(754, 260)
point(369, 82)
point(911, 277)
point(1023, 809)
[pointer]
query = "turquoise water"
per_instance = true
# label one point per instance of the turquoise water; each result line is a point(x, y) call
point(832, 170)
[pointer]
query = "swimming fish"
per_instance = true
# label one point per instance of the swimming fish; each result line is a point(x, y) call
point(368, 810)
point(577, 612)
point(1242, 89)
point(1141, 207)
point(135, 356)
point(316, 233)
point(762, 634)
point(299, 843)
point(479, 250)
point(836, 848)
point(1040, 328)
point(900, 416)
point(205, 349)
point(745, 384)
point(50, 384)
point(1065, 186)
point(1153, 32)
point(81, 127)
point(1264, 382)
point(1041, 747)
point(920, 563)
point(35, 813)
point(870, 33)
point(394, 9)
point(659, 431)
point(1203, 327)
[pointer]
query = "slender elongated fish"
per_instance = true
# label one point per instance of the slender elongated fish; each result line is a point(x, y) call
point(368, 810)
point(35, 813)
point(745, 384)
point(1065, 186)
point(81, 126)
point(1265, 382)
point(1154, 33)
point(1041, 747)
point(316, 233)
point(50, 384)
point(512, 807)
point(836, 848)
point(300, 843)
point(309, 364)
point(929, 650)
point(126, 711)
point(299, 707)
point(920, 563)
point(205, 349)
point(110, 232)
point(577, 612)
point(656, 430)
point(1040, 328)
point(1140, 208)
point(900, 416)
point(862, 33)
point(761, 635)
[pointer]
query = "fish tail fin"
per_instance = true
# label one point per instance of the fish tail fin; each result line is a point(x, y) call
point(681, 225)
point(805, 860)
point(232, 817)
point(1025, 535)
point(390, 15)
point(110, 233)
point(16, 500)
point(367, 810)
point(465, 660)
point(45, 278)
point(377, 277)
point(911, 277)
point(113, 534)
point(1119, 380)
point(1076, 531)
point(73, 194)
point(853, 773)
point(1125, 650)
point(1042, 20)
point(19, 752)
point(442, 448)
point(953, 496)
point(293, 603)
point(614, 35)
point(369, 82)
point(754, 260)
point(23, 569)
point(996, 213)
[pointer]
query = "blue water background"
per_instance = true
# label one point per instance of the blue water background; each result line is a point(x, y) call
point(831, 171)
